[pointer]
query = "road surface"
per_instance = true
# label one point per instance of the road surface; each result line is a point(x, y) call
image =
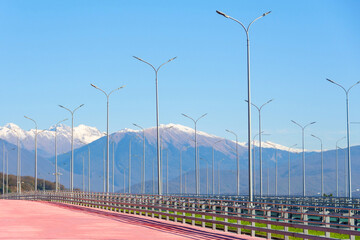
point(20, 219)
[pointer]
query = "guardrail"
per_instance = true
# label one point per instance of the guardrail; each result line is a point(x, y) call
point(266, 219)
point(293, 200)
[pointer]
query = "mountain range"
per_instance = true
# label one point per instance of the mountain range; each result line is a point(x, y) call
point(176, 140)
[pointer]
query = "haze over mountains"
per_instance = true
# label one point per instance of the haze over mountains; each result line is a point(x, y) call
point(174, 138)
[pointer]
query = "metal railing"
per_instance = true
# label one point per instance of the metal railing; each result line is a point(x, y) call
point(266, 219)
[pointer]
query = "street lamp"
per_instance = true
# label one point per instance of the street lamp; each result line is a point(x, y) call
point(347, 132)
point(18, 177)
point(72, 145)
point(196, 156)
point(107, 133)
point(249, 97)
point(276, 185)
point(337, 167)
point(181, 150)
point(207, 176)
point(3, 169)
point(260, 148)
point(129, 181)
point(303, 150)
point(157, 119)
point(89, 175)
point(56, 164)
point(289, 168)
point(254, 176)
point(167, 159)
point(219, 166)
point(213, 164)
point(322, 165)
point(36, 133)
point(143, 168)
point(237, 163)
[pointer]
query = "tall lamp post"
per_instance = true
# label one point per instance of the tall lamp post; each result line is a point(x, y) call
point(181, 150)
point(72, 145)
point(289, 185)
point(276, 184)
point(156, 70)
point(161, 151)
point(196, 155)
point(219, 167)
point(337, 167)
point(253, 143)
point(237, 163)
point(89, 175)
point(107, 134)
point(260, 155)
point(56, 163)
point(322, 164)
point(303, 151)
point(347, 133)
point(213, 166)
point(18, 177)
point(36, 133)
point(3, 170)
point(207, 176)
point(249, 93)
point(143, 168)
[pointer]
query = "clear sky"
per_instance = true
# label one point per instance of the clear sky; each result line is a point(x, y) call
point(50, 52)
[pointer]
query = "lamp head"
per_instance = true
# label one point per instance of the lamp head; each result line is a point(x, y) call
point(266, 13)
point(138, 58)
point(222, 14)
point(270, 100)
point(93, 85)
point(172, 59)
point(121, 87)
point(330, 80)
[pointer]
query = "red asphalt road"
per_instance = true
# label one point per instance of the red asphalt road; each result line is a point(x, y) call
point(21, 219)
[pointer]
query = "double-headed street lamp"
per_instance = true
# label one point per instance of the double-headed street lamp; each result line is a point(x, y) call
point(303, 151)
point(56, 164)
point(337, 166)
point(197, 180)
point(289, 169)
point(18, 177)
point(3, 170)
point(253, 143)
point(72, 145)
point(276, 149)
point(107, 133)
point(157, 119)
point(347, 133)
point(260, 155)
point(249, 95)
point(36, 133)
point(213, 165)
point(143, 167)
point(89, 174)
point(180, 186)
point(237, 163)
point(322, 164)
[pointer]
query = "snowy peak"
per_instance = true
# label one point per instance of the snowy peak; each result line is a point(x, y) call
point(46, 138)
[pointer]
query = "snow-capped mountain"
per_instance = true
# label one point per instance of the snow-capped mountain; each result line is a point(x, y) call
point(177, 140)
point(46, 138)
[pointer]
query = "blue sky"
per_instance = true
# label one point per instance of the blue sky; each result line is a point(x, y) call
point(50, 52)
